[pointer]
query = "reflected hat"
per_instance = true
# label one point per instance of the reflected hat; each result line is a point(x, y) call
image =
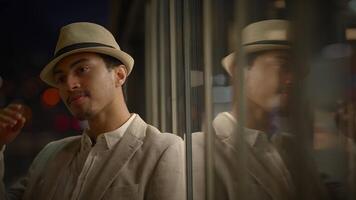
point(85, 37)
point(264, 35)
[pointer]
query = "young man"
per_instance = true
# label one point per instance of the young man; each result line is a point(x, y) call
point(256, 163)
point(119, 156)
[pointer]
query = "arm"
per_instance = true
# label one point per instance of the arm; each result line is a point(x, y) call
point(26, 186)
point(168, 179)
point(2, 186)
point(11, 123)
point(18, 188)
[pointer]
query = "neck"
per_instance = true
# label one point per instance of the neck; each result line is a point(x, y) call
point(110, 118)
point(255, 117)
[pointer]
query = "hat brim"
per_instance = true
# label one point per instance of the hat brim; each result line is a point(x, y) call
point(47, 73)
point(228, 61)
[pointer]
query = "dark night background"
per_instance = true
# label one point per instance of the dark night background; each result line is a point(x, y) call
point(29, 30)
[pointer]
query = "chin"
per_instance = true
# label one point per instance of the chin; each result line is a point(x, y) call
point(280, 109)
point(81, 116)
point(284, 110)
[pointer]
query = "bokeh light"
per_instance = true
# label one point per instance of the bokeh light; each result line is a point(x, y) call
point(352, 5)
point(62, 123)
point(337, 50)
point(76, 125)
point(50, 97)
point(280, 4)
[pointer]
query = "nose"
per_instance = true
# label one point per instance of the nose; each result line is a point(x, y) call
point(288, 78)
point(72, 83)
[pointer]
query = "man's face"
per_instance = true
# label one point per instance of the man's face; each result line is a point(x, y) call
point(85, 84)
point(269, 79)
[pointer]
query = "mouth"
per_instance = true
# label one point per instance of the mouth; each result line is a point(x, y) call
point(76, 98)
point(285, 91)
point(285, 95)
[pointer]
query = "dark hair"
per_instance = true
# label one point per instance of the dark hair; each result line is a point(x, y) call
point(111, 63)
point(251, 57)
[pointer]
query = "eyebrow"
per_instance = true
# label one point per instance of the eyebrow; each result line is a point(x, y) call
point(58, 71)
point(284, 56)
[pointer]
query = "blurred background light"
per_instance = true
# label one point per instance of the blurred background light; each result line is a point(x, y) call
point(350, 34)
point(352, 5)
point(62, 123)
point(328, 82)
point(337, 50)
point(50, 97)
point(280, 4)
point(75, 124)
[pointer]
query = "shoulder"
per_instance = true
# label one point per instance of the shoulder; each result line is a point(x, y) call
point(58, 144)
point(198, 139)
point(161, 140)
point(53, 147)
point(154, 142)
point(48, 153)
point(149, 134)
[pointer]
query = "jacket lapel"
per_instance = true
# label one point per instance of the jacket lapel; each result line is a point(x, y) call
point(114, 160)
point(286, 146)
point(226, 130)
point(257, 170)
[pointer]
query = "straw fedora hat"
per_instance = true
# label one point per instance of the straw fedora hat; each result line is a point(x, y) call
point(264, 35)
point(85, 37)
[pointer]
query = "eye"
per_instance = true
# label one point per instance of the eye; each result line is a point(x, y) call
point(82, 69)
point(60, 79)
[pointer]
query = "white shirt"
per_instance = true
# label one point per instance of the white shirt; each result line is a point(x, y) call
point(70, 185)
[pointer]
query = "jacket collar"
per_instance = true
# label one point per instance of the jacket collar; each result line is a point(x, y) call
point(113, 161)
point(229, 134)
point(105, 140)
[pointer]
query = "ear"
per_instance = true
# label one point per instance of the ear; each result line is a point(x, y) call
point(120, 75)
point(246, 71)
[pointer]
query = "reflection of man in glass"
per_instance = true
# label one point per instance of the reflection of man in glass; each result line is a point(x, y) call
point(268, 80)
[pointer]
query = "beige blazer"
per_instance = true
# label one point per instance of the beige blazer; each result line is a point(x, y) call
point(255, 181)
point(145, 164)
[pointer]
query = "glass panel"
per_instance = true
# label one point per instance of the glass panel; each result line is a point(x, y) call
point(279, 121)
point(290, 132)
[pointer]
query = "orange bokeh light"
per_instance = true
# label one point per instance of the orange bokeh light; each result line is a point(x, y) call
point(50, 97)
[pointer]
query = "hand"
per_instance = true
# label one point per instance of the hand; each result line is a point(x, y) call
point(12, 121)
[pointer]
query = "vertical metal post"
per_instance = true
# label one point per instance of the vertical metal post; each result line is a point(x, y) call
point(148, 61)
point(173, 50)
point(351, 153)
point(208, 88)
point(154, 63)
point(162, 66)
point(239, 105)
point(351, 128)
point(187, 66)
point(304, 19)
